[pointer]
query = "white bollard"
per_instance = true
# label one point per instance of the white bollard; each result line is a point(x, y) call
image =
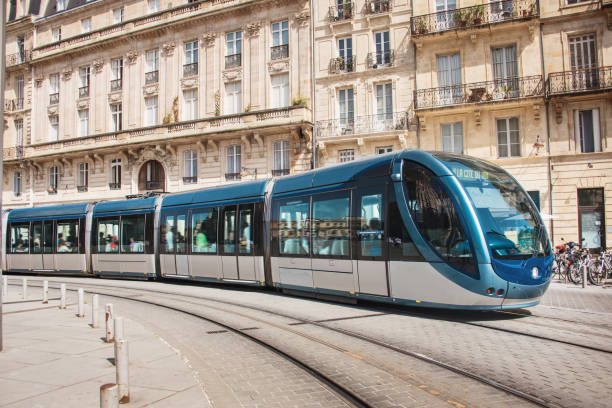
point(95, 312)
point(118, 328)
point(110, 330)
point(45, 292)
point(81, 308)
point(4, 286)
point(25, 288)
point(63, 296)
point(122, 366)
point(109, 396)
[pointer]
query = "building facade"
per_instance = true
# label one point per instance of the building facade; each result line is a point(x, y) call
point(120, 97)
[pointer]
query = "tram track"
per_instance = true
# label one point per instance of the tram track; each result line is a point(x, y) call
point(300, 321)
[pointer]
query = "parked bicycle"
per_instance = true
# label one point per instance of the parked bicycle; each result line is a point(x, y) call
point(601, 268)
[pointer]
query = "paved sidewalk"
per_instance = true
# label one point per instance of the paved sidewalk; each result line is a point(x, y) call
point(52, 358)
point(569, 296)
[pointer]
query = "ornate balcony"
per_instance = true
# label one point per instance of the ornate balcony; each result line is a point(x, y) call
point(190, 180)
point(579, 81)
point(116, 85)
point(279, 52)
point(114, 186)
point(54, 98)
point(152, 185)
point(152, 77)
point(377, 6)
point(234, 60)
point(11, 105)
point(344, 11)
point(232, 176)
point(18, 58)
point(474, 16)
point(499, 90)
point(82, 189)
point(383, 122)
point(381, 59)
point(84, 91)
point(340, 65)
point(280, 172)
point(190, 69)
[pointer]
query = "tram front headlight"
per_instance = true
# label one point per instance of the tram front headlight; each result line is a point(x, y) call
point(535, 272)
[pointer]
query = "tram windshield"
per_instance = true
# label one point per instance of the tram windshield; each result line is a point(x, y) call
point(509, 220)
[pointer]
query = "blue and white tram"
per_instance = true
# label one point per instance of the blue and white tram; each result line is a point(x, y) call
point(410, 227)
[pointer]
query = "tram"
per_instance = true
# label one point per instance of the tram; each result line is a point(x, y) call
point(411, 228)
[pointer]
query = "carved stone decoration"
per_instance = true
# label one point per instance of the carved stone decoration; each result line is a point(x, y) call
point(252, 30)
point(559, 112)
point(98, 65)
point(149, 90)
point(278, 66)
point(39, 81)
point(168, 48)
point(302, 19)
point(83, 104)
point(532, 28)
point(536, 111)
point(209, 38)
point(187, 83)
point(217, 103)
point(67, 74)
point(52, 110)
point(232, 74)
point(477, 116)
point(131, 57)
point(114, 97)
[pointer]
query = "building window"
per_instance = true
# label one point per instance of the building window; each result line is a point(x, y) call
point(346, 109)
point(280, 90)
point(116, 117)
point(591, 217)
point(190, 112)
point(151, 111)
point(116, 74)
point(83, 122)
point(118, 15)
point(191, 167)
point(535, 196)
point(452, 137)
point(233, 163)
point(84, 75)
point(86, 25)
point(233, 98)
point(19, 133)
point(384, 101)
point(17, 183)
point(20, 93)
point(53, 89)
point(384, 149)
point(83, 176)
point(115, 183)
point(383, 48)
point(60, 5)
point(505, 71)
point(346, 155)
point(153, 5)
point(191, 59)
point(53, 128)
point(586, 123)
point(21, 49)
point(449, 79)
point(345, 61)
point(56, 34)
point(280, 40)
point(281, 158)
point(508, 138)
point(152, 61)
point(233, 49)
point(53, 179)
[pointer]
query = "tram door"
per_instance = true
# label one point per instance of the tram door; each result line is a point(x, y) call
point(238, 246)
point(371, 251)
point(47, 240)
point(229, 263)
point(36, 253)
point(174, 260)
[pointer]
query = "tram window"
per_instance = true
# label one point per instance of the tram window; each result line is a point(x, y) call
point(48, 237)
point(204, 231)
point(20, 238)
point(293, 227)
point(108, 235)
point(371, 225)
point(167, 233)
point(132, 233)
point(36, 237)
point(246, 244)
point(401, 245)
point(229, 230)
point(67, 236)
point(181, 233)
point(330, 216)
point(436, 217)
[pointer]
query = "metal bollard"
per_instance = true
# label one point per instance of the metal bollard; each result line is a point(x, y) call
point(109, 396)
point(63, 296)
point(118, 328)
point(95, 312)
point(122, 366)
point(584, 276)
point(25, 288)
point(4, 286)
point(81, 308)
point(110, 330)
point(45, 292)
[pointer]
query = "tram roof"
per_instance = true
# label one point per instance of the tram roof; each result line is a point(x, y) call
point(140, 205)
point(77, 210)
point(237, 191)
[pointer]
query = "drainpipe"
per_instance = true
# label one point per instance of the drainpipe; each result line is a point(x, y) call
point(414, 52)
point(547, 110)
point(315, 155)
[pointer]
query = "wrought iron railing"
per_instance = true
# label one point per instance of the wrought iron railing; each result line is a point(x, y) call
point(466, 17)
point(280, 172)
point(84, 91)
point(340, 65)
point(580, 80)
point(190, 69)
point(54, 98)
point(52, 190)
point(498, 90)
point(234, 60)
point(82, 189)
point(377, 6)
point(13, 104)
point(344, 11)
point(279, 51)
point(116, 84)
point(381, 59)
point(114, 186)
point(232, 176)
point(383, 122)
point(152, 185)
point(190, 180)
point(151, 77)
point(18, 58)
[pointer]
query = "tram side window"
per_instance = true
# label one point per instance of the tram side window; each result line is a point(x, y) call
point(204, 231)
point(436, 217)
point(20, 238)
point(401, 245)
point(108, 235)
point(371, 225)
point(229, 227)
point(48, 237)
point(246, 244)
point(181, 233)
point(37, 237)
point(132, 233)
point(330, 218)
point(68, 236)
point(293, 227)
point(167, 233)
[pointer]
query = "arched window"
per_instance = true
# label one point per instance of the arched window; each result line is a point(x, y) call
point(151, 176)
